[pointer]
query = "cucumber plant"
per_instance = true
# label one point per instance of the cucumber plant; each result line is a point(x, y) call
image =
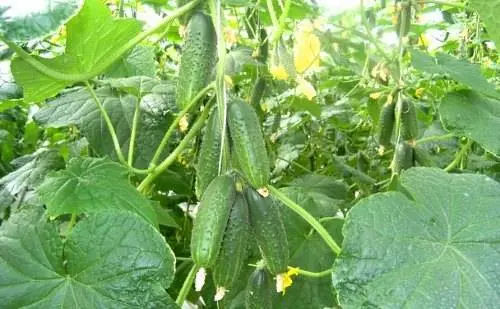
point(258, 154)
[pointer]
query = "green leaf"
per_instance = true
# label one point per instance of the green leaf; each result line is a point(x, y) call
point(90, 185)
point(109, 260)
point(164, 216)
point(467, 113)
point(138, 86)
point(461, 71)
point(21, 22)
point(438, 247)
point(92, 36)
point(309, 292)
point(139, 62)
point(329, 186)
point(489, 12)
point(78, 108)
point(8, 88)
point(31, 170)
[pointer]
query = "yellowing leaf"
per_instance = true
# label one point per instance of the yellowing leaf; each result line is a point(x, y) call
point(279, 72)
point(306, 89)
point(419, 92)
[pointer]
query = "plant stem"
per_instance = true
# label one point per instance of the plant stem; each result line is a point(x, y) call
point(133, 134)
point(220, 83)
point(186, 286)
point(435, 138)
point(72, 222)
point(307, 217)
point(109, 125)
point(281, 24)
point(272, 14)
point(171, 129)
point(459, 156)
point(312, 274)
point(173, 155)
point(178, 258)
point(108, 60)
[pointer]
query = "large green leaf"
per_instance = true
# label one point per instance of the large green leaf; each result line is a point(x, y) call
point(308, 250)
point(489, 11)
point(314, 255)
point(21, 22)
point(438, 247)
point(463, 72)
point(92, 37)
point(109, 260)
point(139, 62)
point(31, 170)
point(78, 108)
point(93, 185)
point(470, 114)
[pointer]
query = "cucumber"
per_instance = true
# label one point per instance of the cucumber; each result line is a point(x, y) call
point(198, 58)
point(269, 231)
point(403, 157)
point(248, 143)
point(409, 126)
point(207, 167)
point(404, 29)
point(233, 252)
point(258, 294)
point(386, 124)
point(211, 221)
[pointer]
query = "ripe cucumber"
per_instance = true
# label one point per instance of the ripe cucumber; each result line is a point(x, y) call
point(207, 167)
point(198, 58)
point(409, 126)
point(248, 143)
point(233, 252)
point(258, 294)
point(269, 231)
point(211, 221)
point(403, 157)
point(386, 124)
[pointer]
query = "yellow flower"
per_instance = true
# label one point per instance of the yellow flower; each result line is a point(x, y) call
point(307, 48)
point(287, 278)
point(184, 123)
point(375, 95)
point(279, 72)
point(306, 89)
point(419, 92)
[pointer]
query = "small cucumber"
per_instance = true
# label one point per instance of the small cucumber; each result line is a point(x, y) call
point(409, 126)
point(403, 29)
point(207, 167)
point(386, 124)
point(258, 294)
point(211, 221)
point(233, 252)
point(403, 157)
point(269, 231)
point(248, 143)
point(198, 58)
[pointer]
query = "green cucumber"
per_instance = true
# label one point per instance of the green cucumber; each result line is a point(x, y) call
point(198, 58)
point(248, 143)
point(409, 126)
point(386, 124)
point(269, 231)
point(211, 221)
point(403, 157)
point(258, 294)
point(207, 167)
point(404, 29)
point(233, 252)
